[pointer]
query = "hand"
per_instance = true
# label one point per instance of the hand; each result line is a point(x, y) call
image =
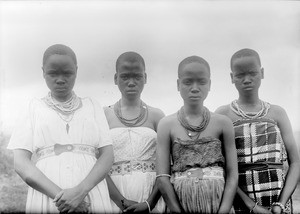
point(127, 203)
point(261, 209)
point(68, 200)
point(138, 207)
point(276, 210)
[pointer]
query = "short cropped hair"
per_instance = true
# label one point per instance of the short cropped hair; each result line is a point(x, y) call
point(130, 56)
point(192, 59)
point(244, 53)
point(59, 49)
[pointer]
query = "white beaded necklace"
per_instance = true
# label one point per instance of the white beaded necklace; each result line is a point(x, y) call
point(250, 115)
point(65, 110)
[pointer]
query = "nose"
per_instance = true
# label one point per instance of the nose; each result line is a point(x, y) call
point(131, 82)
point(195, 88)
point(247, 79)
point(60, 80)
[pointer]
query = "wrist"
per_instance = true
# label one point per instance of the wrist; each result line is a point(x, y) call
point(278, 204)
point(83, 189)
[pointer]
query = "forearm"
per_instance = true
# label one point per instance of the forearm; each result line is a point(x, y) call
point(99, 171)
point(114, 193)
point(36, 179)
point(292, 179)
point(154, 196)
point(248, 201)
point(167, 191)
point(228, 194)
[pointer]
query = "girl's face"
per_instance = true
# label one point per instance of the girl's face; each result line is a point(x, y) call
point(247, 74)
point(60, 74)
point(194, 83)
point(130, 78)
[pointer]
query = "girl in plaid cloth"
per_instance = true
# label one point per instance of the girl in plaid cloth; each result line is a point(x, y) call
point(201, 144)
point(264, 140)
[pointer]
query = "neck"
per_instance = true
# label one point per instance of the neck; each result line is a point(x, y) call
point(194, 110)
point(252, 99)
point(62, 98)
point(130, 102)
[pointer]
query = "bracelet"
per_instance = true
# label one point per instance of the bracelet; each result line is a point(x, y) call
point(163, 175)
point(251, 211)
point(278, 204)
point(148, 206)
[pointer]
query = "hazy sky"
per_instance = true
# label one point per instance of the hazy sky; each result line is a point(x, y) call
point(163, 32)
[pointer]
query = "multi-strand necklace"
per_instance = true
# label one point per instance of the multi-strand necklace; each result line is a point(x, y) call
point(134, 122)
point(65, 110)
point(190, 129)
point(250, 115)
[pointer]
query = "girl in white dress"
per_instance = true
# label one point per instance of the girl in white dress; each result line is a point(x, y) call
point(65, 133)
point(133, 130)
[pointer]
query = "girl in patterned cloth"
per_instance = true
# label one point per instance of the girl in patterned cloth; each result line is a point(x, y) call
point(65, 132)
point(204, 173)
point(133, 130)
point(264, 139)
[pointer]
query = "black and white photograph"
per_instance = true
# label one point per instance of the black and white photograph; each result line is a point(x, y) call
point(111, 106)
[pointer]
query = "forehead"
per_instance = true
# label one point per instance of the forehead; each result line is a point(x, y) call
point(246, 63)
point(194, 69)
point(130, 66)
point(59, 60)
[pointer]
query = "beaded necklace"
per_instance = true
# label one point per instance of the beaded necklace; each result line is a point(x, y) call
point(135, 122)
point(65, 110)
point(190, 128)
point(250, 115)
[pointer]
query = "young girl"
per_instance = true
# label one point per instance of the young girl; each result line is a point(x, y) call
point(201, 144)
point(65, 132)
point(264, 140)
point(133, 127)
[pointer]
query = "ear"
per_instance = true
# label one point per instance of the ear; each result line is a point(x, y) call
point(43, 72)
point(262, 70)
point(116, 78)
point(177, 84)
point(209, 84)
point(231, 76)
point(145, 78)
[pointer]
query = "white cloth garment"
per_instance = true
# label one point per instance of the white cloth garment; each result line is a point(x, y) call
point(135, 144)
point(41, 127)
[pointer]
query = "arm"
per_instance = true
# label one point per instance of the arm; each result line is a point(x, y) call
point(69, 199)
point(116, 196)
point(32, 175)
point(231, 169)
point(293, 173)
point(163, 167)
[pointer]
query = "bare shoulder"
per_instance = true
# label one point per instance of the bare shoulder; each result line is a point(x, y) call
point(277, 113)
point(155, 113)
point(108, 110)
point(167, 121)
point(224, 110)
point(220, 118)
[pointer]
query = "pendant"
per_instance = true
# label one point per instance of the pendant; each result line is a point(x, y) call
point(67, 127)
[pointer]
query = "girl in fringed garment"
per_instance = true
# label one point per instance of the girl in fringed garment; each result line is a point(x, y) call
point(264, 140)
point(203, 176)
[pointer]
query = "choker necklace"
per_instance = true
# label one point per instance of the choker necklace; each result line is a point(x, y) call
point(190, 128)
point(137, 121)
point(66, 109)
point(250, 115)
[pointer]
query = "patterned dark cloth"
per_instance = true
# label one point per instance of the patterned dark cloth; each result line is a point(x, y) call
point(261, 155)
point(198, 195)
point(203, 152)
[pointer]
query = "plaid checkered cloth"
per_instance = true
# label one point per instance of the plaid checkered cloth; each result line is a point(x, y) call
point(261, 154)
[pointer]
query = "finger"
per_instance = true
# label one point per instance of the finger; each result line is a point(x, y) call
point(58, 196)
